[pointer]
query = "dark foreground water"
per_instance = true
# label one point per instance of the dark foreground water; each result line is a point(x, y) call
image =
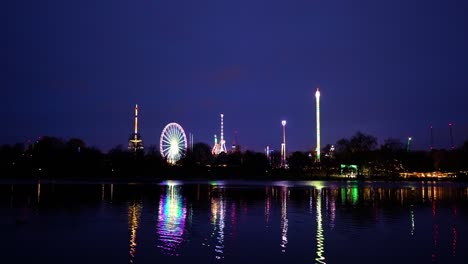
point(235, 222)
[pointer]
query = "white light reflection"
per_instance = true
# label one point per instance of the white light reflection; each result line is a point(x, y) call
point(320, 256)
point(218, 214)
point(332, 211)
point(134, 213)
point(284, 218)
point(412, 220)
point(220, 238)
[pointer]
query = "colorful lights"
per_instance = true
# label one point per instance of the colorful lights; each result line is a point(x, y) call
point(221, 147)
point(171, 221)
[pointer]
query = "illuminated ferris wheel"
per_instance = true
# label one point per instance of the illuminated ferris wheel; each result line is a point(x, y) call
point(173, 142)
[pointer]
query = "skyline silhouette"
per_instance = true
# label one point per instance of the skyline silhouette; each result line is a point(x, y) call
point(389, 69)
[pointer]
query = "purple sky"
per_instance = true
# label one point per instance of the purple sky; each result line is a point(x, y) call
point(387, 68)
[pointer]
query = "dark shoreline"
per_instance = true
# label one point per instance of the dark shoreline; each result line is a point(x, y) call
point(162, 180)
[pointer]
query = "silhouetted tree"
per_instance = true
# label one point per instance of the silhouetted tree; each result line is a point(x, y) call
point(356, 150)
point(298, 161)
point(255, 163)
point(392, 145)
point(235, 159)
point(202, 154)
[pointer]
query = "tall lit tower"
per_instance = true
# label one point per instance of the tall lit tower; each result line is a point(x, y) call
point(222, 142)
point(317, 101)
point(408, 144)
point(283, 145)
point(135, 142)
point(267, 152)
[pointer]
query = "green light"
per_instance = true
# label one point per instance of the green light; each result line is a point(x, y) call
point(354, 194)
point(343, 195)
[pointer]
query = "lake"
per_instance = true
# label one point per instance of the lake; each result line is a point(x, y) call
point(234, 222)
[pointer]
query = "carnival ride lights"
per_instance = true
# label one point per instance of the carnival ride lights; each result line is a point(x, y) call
point(221, 147)
point(173, 142)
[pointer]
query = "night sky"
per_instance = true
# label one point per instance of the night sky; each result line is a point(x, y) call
point(386, 68)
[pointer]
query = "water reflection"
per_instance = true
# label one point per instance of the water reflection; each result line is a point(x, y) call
point(112, 191)
point(38, 191)
point(320, 255)
point(171, 220)
point(267, 205)
point(218, 215)
point(341, 212)
point(435, 233)
point(284, 218)
point(412, 220)
point(332, 210)
point(454, 232)
point(134, 213)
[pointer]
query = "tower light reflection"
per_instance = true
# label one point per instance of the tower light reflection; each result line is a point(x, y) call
point(320, 255)
point(284, 218)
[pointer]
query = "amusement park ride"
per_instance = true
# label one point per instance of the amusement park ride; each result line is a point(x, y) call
point(173, 141)
point(221, 146)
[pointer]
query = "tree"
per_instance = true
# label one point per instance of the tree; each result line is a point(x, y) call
point(298, 161)
point(255, 162)
point(356, 150)
point(392, 145)
point(202, 154)
point(75, 144)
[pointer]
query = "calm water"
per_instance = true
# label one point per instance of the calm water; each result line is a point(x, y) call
point(235, 222)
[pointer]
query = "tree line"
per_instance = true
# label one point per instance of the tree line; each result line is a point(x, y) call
point(51, 157)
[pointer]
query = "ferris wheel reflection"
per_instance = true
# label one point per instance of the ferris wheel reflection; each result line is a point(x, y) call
point(171, 221)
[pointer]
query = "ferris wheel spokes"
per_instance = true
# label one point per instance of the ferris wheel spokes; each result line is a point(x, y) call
point(173, 142)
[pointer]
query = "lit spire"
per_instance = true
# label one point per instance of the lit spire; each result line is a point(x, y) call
point(317, 101)
point(136, 119)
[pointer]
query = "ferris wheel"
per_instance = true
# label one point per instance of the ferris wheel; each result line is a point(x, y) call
point(173, 142)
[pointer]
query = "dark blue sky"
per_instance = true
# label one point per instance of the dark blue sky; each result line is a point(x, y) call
point(387, 68)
